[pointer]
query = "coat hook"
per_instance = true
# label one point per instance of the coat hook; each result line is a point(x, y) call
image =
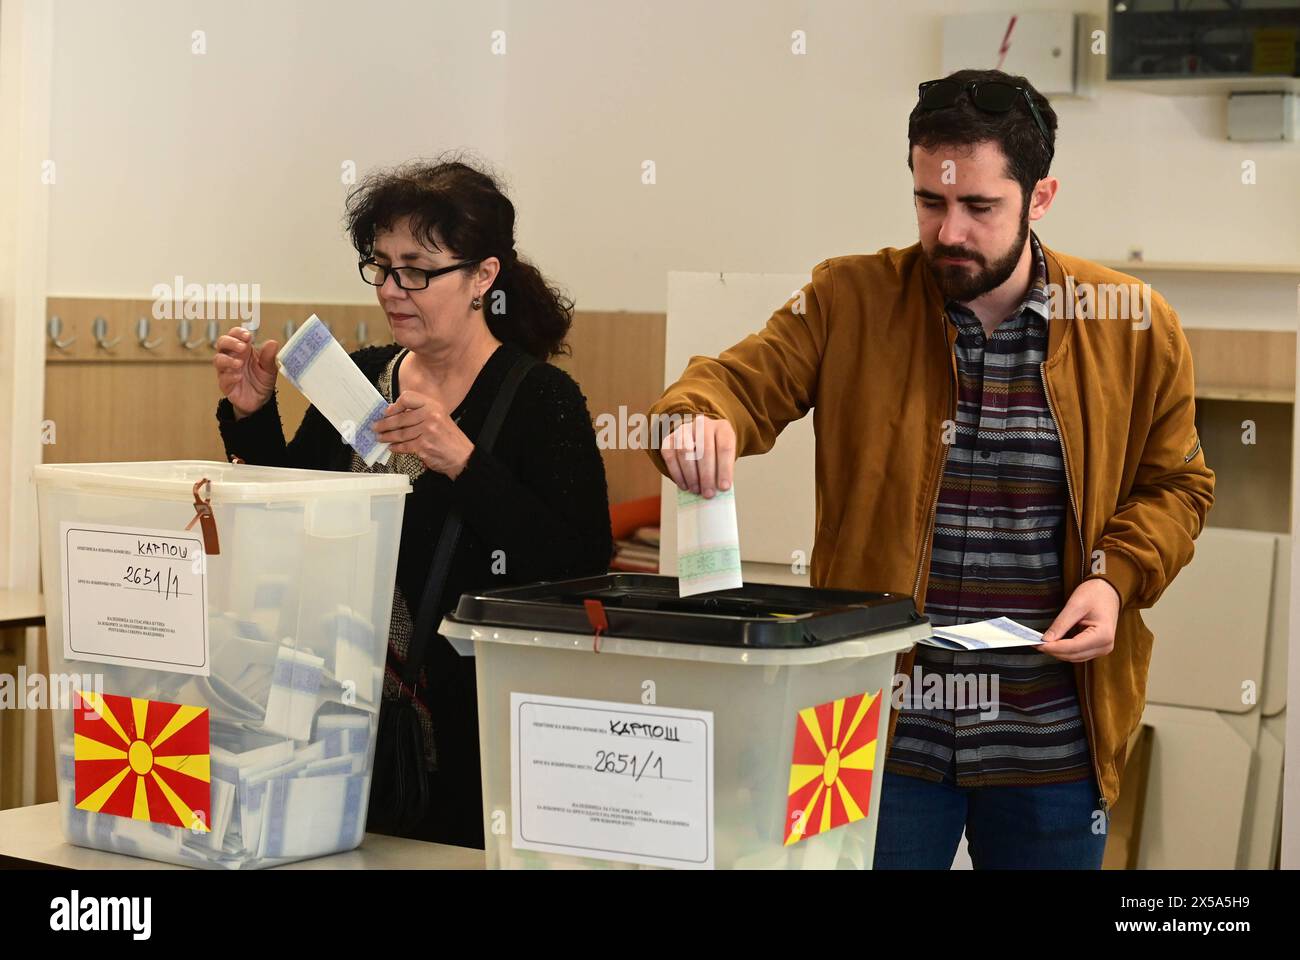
point(55, 327)
point(100, 329)
point(183, 331)
point(288, 330)
point(363, 334)
point(142, 334)
point(214, 333)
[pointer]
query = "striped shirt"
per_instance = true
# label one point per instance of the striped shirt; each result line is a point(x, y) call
point(998, 535)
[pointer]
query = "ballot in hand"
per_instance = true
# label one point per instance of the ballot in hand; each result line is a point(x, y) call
point(245, 374)
point(700, 455)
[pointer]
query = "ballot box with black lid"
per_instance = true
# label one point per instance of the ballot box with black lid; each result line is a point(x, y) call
point(622, 725)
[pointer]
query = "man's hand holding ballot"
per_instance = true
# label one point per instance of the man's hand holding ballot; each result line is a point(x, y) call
point(701, 455)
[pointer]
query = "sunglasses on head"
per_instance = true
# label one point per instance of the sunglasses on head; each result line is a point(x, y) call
point(991, 96)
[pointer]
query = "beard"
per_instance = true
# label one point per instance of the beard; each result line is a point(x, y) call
point(970, 281)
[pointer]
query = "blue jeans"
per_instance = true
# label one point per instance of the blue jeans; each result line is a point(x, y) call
point(1043, 827)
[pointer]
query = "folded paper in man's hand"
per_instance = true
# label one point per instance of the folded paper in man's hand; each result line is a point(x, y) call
point(992, 634)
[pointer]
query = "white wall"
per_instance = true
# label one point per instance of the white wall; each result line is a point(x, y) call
point(226, 166)
point(26, 29)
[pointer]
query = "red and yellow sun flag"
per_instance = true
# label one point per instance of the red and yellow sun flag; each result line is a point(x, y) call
point(830, 772)
point(143, 759)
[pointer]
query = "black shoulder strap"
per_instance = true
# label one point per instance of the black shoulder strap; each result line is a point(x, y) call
point(426, 620)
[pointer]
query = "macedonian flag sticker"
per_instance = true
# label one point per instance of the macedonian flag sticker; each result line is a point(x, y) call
point(143, 759)
point(830, 772)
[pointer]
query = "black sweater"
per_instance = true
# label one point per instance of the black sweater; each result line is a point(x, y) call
point(539, 498)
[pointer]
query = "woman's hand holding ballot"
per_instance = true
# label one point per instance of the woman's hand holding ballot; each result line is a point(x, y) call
point(701, 455)
point(418, 424)
point(245, 374)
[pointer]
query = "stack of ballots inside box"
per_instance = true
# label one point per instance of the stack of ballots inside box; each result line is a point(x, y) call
point(291, 740)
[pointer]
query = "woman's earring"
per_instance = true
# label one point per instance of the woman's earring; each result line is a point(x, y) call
point(477, 303)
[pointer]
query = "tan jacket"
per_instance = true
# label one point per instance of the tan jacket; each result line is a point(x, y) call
point(870, 351)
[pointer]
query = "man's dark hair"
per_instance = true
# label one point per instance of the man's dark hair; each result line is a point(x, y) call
point(1015, 132)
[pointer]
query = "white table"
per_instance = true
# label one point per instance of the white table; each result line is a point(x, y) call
point(31, 836)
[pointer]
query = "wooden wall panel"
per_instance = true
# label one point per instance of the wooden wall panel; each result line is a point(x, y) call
point(12, 656)
point(618, 360)
point(104, 411)
point(47, 789)
point(1252, 480)
point(132, 403)
point(1244, 364)
point(1246, 376)
point(129, 403)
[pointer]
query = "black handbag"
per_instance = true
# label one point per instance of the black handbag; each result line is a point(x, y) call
point(399, 793)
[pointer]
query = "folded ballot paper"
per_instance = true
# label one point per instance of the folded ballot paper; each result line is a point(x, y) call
point(708, 542)
point(289, 750)
point(993, 634)
point(272, 799)
point(321, 369)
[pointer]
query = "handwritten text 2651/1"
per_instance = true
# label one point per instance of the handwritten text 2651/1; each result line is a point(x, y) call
point(607, 761)
point(168, 585)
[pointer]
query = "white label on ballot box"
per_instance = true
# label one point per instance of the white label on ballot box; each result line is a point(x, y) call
point(614, 781)
point(135, 597)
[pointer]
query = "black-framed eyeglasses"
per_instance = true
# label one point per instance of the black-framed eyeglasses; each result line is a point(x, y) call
point(408, 278)
point(991, 96)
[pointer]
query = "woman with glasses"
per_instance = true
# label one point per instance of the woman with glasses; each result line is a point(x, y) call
point(436, 241)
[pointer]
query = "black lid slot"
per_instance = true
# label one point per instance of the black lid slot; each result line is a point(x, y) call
point(644, 606)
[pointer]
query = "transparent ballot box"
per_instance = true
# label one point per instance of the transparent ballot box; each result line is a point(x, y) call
point(624, 726)
point(217, 639)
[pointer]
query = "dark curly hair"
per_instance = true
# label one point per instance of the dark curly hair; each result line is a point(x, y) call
point(454, 199)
